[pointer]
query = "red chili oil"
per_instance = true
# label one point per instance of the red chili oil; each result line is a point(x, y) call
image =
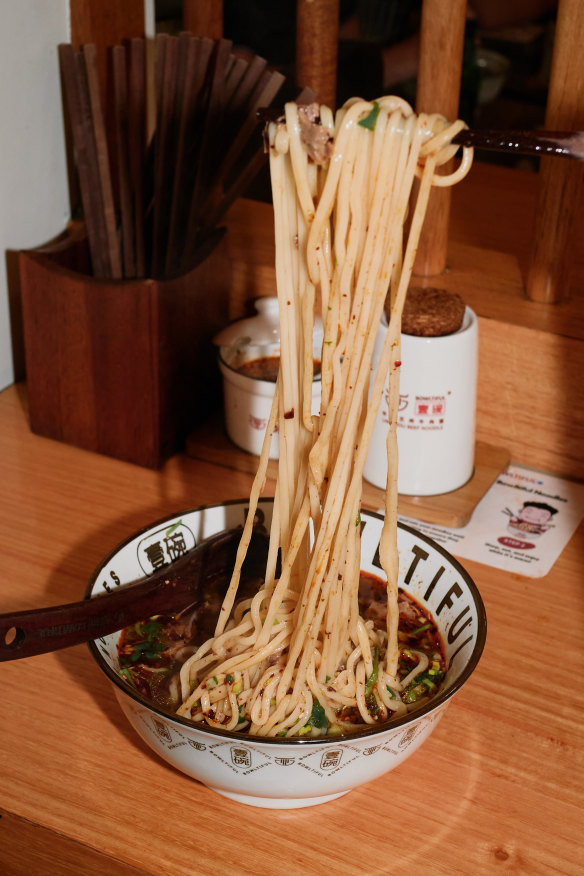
point(266, 368)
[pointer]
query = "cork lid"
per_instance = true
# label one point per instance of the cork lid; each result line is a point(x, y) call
point(430, 312)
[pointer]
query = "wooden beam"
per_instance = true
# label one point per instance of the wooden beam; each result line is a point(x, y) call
point(317, 33)
point(438, 91)
point(105, 23)
point(203, 18)
point(560, 182)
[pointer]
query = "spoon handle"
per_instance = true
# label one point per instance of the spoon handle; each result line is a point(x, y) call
point(37, 631)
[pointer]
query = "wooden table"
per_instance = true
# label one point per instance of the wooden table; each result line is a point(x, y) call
point(498, 787)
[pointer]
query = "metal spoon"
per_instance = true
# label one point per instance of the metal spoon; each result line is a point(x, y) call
point(170, 589)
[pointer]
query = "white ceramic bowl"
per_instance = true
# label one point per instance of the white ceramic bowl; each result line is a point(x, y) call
point(274, 772)
point(247, 400)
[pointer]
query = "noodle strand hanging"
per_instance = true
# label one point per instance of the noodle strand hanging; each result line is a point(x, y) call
point(299, 658)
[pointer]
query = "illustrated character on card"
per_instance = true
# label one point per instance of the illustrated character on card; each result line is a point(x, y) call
point(533, 518)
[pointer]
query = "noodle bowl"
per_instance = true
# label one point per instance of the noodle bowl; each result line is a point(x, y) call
point(300, 771)
point(343, 189)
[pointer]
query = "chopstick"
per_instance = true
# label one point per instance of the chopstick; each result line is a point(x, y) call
point(198, 53)
point(147, 205)
point(557, 144)
point(103, 165)
point(163, 147)
point(137, 143)
point(123, 164)
point(77, 105)
point(249, 171)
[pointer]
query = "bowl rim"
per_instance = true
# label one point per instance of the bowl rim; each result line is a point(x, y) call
point(244, 738)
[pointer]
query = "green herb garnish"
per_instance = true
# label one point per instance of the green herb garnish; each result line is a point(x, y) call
point(420, 629)
point(372, 680)
point(318, 716)
point(370, 120)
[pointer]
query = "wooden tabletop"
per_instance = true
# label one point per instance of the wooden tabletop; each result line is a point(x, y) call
point(497, 788)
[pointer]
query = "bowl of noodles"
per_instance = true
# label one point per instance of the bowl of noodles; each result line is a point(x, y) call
point(336, 664)
point(330, 747)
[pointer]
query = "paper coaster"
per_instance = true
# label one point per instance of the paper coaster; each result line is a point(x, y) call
point(521, 525)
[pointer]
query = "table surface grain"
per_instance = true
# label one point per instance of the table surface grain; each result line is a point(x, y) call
point(497, 788)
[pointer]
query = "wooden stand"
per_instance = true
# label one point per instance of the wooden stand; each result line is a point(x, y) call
point(124, 368)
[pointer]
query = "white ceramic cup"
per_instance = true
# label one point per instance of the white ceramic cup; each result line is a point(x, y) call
point(436, 416)
point(248, 400)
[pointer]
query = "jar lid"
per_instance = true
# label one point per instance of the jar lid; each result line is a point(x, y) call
point(254, 331)
point(430, 312)
point(258, 331)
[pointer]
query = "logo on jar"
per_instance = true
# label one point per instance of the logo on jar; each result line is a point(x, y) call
point(430, 406)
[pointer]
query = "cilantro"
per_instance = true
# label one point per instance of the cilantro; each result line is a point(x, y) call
point(370, 120)
point(318, 716)
point(150, 650)
point(174, 526)
point(229, 679)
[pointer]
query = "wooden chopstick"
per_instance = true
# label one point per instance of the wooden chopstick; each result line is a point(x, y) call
point(557, 144)
point(103, 164)
point(208, 143)
point(248, 173)
point(163, 151)
point(119, 71)
point(77, 108)
point(200, 158)
point(191, 56)
point(137, 143)
point(265, 91)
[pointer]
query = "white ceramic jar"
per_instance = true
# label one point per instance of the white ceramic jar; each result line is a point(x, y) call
point(436, 416)
point(248, 400)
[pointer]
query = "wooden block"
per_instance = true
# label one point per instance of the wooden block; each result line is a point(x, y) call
point(124, 368)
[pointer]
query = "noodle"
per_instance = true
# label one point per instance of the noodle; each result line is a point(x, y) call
point(291, 658)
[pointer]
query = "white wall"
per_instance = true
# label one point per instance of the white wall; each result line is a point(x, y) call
point(34, 200)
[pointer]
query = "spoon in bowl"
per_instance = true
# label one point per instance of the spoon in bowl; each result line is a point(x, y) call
point(169, 589)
